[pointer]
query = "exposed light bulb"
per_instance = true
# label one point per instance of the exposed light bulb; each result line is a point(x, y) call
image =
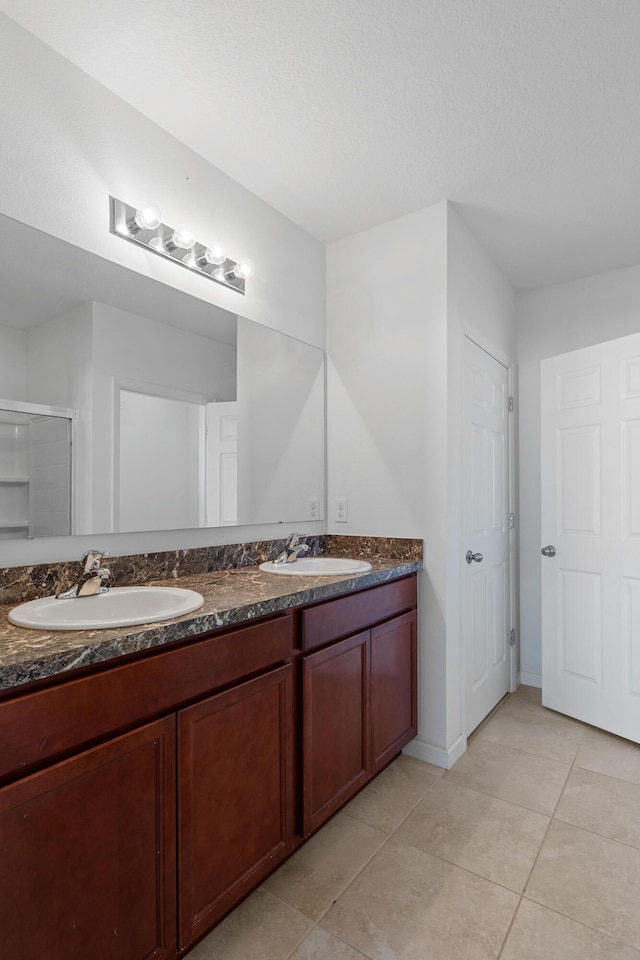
point(212, 256)
point(218, 254)
point(183, 238)
point(148, 216)
point(241, 270)
point(246, 268)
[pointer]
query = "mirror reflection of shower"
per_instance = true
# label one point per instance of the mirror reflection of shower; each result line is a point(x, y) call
point(35, 472)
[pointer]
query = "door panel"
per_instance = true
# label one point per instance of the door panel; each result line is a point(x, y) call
point(235, 796)
point(590, 456)
point(630, 474)
point(87, 866)
point(580, 624)
point(336, 728)
point(486, 617)
point(631, 631)
point(579, 470)
point(393, 687)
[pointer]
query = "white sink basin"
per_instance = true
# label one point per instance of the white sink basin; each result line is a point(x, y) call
point(120, 607)
point(317, 567)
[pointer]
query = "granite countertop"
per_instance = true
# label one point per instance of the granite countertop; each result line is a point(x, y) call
point(231, 597)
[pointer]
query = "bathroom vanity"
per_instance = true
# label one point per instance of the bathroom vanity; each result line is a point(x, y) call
point(144, 797)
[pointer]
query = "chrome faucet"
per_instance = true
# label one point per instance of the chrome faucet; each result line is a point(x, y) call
point(293, 548)
point(92, 579)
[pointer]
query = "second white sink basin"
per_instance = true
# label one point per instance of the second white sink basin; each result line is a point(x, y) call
point(120, 607)
point(317, 567)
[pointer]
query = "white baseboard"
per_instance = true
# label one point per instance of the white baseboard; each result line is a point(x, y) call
point(530, 679)
point(438, 756)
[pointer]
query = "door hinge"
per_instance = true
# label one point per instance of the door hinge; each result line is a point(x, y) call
point(512, 637)
point(510, 404)
point(511, 521)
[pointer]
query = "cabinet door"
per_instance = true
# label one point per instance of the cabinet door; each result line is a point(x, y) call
point(335, 724)
point(235, 796)
point(393, 687)
point(87, 854)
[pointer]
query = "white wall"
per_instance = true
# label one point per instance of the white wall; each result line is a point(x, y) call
point(135, 351)
point(13, 363)
point(387, 428)
point(280, 425)
point(552, 321)
point(68, 144)
point(134, 347)
point(398, 297)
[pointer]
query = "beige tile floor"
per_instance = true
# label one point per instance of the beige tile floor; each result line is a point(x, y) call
point(527, 849)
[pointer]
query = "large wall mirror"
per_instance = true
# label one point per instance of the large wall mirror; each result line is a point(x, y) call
point(126, 405)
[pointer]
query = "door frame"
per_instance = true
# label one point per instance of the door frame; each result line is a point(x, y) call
point(468, 333)
point(118, 384)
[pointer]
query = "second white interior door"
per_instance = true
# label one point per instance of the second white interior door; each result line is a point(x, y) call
point(487, 597)
point(590, 418)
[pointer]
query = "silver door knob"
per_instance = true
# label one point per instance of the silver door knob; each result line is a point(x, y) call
point(473, 557)
point(549, 551)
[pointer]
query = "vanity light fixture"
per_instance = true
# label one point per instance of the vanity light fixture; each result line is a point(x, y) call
point(143, 225)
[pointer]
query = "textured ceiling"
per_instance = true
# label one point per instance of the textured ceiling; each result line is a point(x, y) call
point(343, 115)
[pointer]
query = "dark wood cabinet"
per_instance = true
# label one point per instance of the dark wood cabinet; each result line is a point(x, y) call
point(359, 694)
point(335, 744)
point(141, 802)
point(87, 854)
point(393, 688)
point(235, 796)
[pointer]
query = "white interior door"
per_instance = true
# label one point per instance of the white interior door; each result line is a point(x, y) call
point(159, 454)
point(222, 464)
point(487, 593)
point(590, 419)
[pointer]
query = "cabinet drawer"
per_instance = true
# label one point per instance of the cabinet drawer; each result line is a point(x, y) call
point(51, 721)
point(334, 619)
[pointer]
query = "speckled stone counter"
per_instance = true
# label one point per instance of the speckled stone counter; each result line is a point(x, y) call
point(231, 597)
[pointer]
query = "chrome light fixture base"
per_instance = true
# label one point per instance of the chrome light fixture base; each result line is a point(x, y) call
point(159, 240)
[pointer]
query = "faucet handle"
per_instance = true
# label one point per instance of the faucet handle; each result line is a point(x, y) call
point(295, 552)
point(92, 559)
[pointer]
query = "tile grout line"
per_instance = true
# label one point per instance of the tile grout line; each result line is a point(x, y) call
point(572, 765)
point(316, 923)
point(382, 845)
point(537, 856)
point(492, 796)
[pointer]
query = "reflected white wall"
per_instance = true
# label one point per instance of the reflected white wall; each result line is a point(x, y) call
point(280, 425)
point(13, 361)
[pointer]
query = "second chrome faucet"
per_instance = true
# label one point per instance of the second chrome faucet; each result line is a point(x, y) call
point(92, 578)
point(294, 547)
